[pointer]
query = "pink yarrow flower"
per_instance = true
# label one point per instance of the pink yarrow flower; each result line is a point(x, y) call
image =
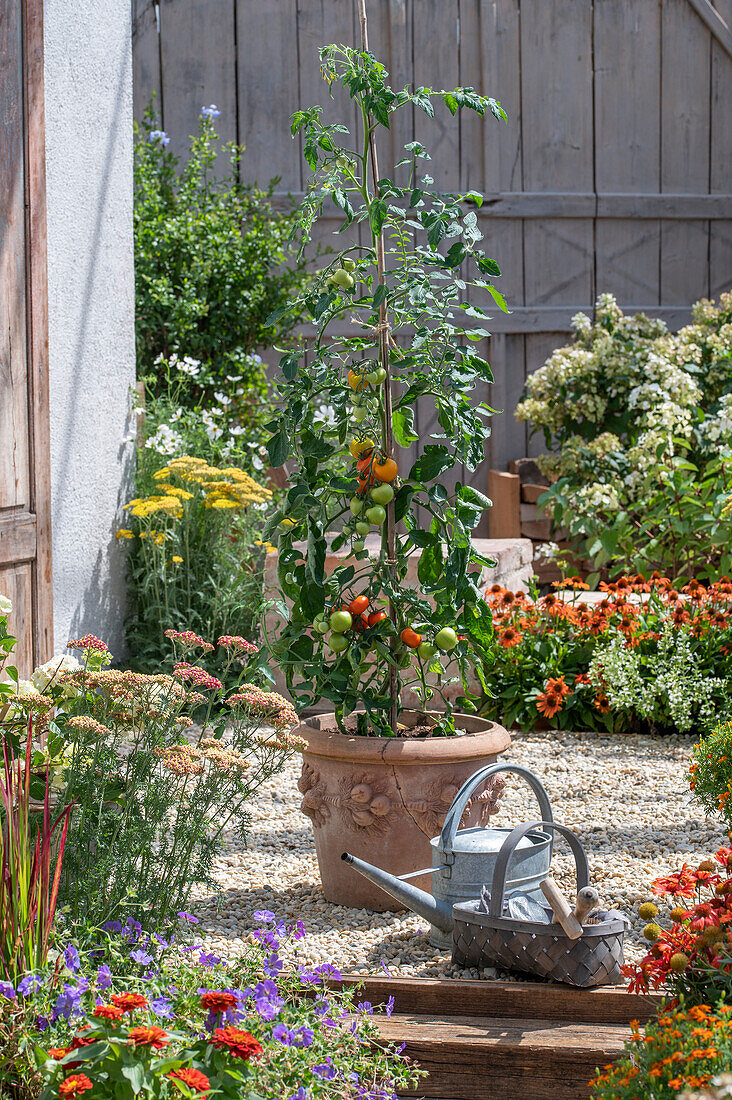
point(90, 642)
point(189, 639)
point(234, 641)
point(196, 677)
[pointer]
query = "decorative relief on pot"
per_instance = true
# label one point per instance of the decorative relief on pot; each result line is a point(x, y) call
point(439, 796)
point(315, 803)
point(366, 801)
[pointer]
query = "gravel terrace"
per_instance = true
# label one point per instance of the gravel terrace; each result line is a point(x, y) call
point(626, 797)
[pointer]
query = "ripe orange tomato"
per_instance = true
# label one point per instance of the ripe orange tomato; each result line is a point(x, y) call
point(411, 638)
point(386, 470)
point(376, 617)
point(360, 623)
point(359, 605)
point(357, 381)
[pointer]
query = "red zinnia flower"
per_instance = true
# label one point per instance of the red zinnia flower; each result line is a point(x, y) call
point(75, 1085)
point(128, 1002)
point(148, 1037)
point(109, 1012)
point(240, 1044)
point(57, 1053)
point(193, 1078)
point(217, 1000)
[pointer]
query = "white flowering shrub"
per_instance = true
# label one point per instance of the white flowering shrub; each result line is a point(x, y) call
point(640, 425)
point(670, 687)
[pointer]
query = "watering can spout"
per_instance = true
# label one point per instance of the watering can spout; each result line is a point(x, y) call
point(437, 912)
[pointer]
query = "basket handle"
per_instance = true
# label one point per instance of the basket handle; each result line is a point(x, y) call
point(498, 885)
point(459, 803)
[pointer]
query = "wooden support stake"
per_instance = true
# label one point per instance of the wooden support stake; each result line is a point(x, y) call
point(505, 515)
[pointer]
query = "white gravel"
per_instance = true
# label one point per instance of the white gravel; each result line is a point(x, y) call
point(627, 797)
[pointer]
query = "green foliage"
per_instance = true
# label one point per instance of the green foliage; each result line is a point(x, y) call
point(640, 420)
point(194, 562)
point(711, 772)
point(149, 807)
point(406, 279)
point(211, 260)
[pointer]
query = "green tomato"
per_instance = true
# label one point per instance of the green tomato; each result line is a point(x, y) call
point(362, 528)
point(359, 414)
point(357, 397)
point(358, 545)
point(338, 642)
point(380, 375)
point(382, 494)
point(321, 626)
point(341, 621)
point(349, 265)
point(346, 163)
point(347, 530)
point(426, 650)
point(356, 505)
point(342, 278)
point(376, 515)
point(372, 377)
point(446, 639)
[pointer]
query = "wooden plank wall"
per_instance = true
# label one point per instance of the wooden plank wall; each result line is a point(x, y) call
point(613, 173)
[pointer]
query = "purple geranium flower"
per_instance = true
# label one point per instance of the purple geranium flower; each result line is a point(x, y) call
point(188, 917)
point(301, 1094)
point(42, 1023)
point(389, 1007)
point(272, 966)
point(264, 915)
point(326, 1070)
point(282, 1034)
point(162, 1008)
point(303, 1036)
point(112, 926)
point(71, 958)
point(68, 1003)
point(141, 958)
point(7, 991)
point(29, 984)
point(104, 977)
point(209, 959)
point(267, 1001)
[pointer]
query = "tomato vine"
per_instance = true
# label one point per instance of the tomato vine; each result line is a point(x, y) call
point(393, 326)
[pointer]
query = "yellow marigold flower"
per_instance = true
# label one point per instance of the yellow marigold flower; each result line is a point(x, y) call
point(125, 533)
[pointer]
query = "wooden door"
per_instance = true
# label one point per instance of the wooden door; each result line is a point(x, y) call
point(25, 490)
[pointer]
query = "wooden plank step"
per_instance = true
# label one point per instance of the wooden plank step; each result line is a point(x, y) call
point(475, 1057)
point(518, 1000)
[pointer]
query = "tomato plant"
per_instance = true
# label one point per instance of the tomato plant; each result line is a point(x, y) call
point(401, 275)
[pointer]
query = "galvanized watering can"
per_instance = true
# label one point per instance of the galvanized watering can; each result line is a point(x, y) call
point(464, 859)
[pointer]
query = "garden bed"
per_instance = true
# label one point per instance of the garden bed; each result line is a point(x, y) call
point(626, 796)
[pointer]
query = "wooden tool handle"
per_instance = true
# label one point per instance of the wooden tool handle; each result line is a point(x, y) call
point(561, 908)
point(587, 900)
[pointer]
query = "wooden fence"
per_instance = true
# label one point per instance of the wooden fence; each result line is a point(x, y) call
point(613, 173)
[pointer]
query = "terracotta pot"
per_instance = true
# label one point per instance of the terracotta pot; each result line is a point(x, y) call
point(382, 799)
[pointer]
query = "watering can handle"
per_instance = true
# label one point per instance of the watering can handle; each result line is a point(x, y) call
point(508, 847)
point(461, 799)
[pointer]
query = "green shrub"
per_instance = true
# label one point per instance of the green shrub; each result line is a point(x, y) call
point(640, 420)
point(211, 262)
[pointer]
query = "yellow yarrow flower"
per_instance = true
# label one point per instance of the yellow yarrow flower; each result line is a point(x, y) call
point(222, 502)
point(176, 559)
point(125, 533)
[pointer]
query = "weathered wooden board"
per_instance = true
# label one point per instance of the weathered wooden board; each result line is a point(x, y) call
point(612, 173)
point(25, 480)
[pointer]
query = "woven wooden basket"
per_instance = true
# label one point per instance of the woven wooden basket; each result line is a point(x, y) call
point(491, 939)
